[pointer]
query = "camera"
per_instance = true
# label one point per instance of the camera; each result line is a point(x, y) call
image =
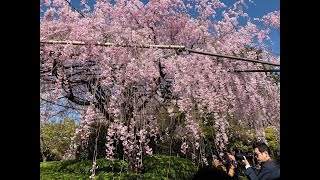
point(228, 162)
point(239, 156)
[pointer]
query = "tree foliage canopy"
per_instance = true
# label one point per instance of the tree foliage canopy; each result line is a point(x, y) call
point(55, 137)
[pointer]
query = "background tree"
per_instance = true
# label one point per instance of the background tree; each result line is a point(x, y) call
point(55, 138)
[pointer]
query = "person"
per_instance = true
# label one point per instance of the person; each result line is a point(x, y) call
point(210, 173)
point(231, 164)
point(228, 164)
point(223, 169)
point(269, 168)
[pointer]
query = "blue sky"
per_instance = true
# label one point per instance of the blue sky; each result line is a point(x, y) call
point(263, 7)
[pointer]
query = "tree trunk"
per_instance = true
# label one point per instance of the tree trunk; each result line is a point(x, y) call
point(43, 150)
point(44, 158)
point(132, 167)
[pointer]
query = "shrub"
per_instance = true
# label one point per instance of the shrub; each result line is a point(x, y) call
point(84, 167)
point(104, 165)
point(169, 166)
point(129, 176)
point(49, 175)
point(117, 176)
point(56, 166)
point(157, 167)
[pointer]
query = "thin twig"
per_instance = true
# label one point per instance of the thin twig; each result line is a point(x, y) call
point(51, 102)
point(75, 8)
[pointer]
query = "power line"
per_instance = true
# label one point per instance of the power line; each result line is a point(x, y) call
point(75, 8)
point(231, 57)
point(177, 47)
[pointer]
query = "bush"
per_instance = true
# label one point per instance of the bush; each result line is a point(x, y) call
point(152, 176)
point(49, 175)
point(104, 165)
point(56, 166)
point(157, 167)
point(169, 166)
point(84, 167)
point(129, 176)
point(117, 176)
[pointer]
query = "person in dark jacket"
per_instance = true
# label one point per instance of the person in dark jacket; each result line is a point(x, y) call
point(211, 173)
point(269, 168)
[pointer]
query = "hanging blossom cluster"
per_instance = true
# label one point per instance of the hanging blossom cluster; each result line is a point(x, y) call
point(134, 142)
point(221, 138)
point(124, 81)
point(88, 120)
